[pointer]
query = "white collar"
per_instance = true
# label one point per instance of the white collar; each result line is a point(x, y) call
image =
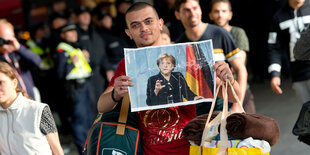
point(16, 103)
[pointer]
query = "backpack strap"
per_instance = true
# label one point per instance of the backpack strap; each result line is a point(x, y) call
point(122, 119)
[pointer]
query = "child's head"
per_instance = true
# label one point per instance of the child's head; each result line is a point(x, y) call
point(165, 35)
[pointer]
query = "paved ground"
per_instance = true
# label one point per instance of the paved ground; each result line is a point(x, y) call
point(283, 108)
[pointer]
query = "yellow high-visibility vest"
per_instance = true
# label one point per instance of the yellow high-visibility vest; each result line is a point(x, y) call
point(81, 68)
point(46, 61)
point(34, 47)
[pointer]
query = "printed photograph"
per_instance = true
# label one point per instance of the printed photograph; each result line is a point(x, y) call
point(170, 75)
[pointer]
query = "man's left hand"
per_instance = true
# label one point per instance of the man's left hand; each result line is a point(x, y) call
point(223, 71)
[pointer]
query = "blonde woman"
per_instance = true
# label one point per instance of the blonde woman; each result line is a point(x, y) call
point(168, 86)
point(27, 126)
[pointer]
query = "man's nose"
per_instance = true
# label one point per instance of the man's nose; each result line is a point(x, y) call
point(143, 27)
point(192, 12)
point(221, 14)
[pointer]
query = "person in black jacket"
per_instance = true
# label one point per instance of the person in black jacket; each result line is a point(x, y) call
point(287, 26)
point(74, 73)
point(167, 86)
point(115, 43)
point(90, 40)
point(302, 47)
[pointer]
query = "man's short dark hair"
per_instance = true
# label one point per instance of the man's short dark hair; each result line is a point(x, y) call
point(178, 3)
point(217, 1)
point(138, 6)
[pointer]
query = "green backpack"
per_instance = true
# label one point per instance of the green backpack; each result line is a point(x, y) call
point(109, 136)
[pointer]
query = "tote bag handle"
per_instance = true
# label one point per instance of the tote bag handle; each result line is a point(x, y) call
point(122, 119)
point(223, 132)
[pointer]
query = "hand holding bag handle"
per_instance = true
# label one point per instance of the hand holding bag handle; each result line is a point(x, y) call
point(223, 134)
point(122, 119)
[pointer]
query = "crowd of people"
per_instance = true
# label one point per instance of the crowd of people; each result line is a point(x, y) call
point(74, 62)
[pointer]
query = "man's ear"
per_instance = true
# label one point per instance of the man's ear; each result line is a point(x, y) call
point(128, 33)
point(210, 16)
point(177, 15)
point(161, 23)
point(230, 15)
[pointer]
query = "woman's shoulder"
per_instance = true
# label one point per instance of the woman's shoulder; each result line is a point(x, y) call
point(155, 76)
point(34, 104)
point(177, 74)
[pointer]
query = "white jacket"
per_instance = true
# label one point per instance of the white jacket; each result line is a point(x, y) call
point(20, 132)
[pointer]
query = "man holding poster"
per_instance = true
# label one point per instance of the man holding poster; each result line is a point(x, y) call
point(161, 129)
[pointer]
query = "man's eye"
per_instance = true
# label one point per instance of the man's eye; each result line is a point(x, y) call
point(148, 22)
point(135, 25)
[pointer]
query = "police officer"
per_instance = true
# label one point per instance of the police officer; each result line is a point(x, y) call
point(73, 69)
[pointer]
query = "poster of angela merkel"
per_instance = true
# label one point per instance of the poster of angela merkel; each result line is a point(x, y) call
point(170, 75)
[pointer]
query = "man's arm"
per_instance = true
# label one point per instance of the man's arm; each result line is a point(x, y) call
point(29, 57)
point(223, 72)
point(242, 75)
point(234, 57)
point(26, 55)
point(275, 51)
point(106, 103)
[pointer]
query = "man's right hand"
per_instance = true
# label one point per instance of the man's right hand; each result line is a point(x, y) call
point(275, 85)
point(12, 46)
point(15, 45)
point(121, 84)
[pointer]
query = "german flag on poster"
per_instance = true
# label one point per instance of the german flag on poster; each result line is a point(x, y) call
point(197, 71)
